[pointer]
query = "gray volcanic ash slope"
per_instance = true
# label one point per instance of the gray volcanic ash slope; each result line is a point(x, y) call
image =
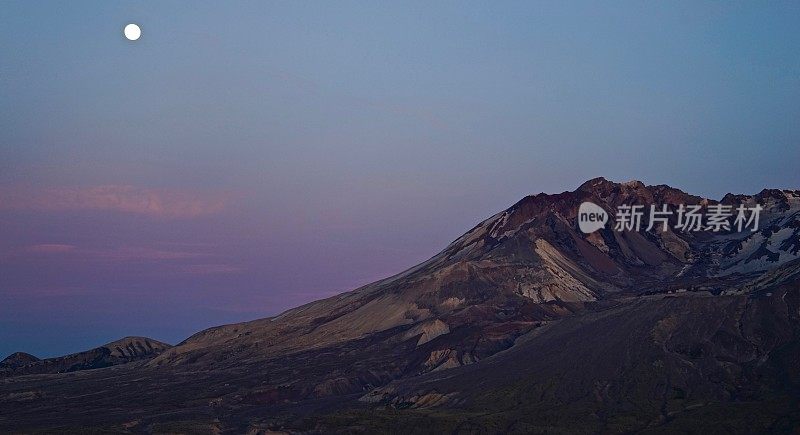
point(523, 324)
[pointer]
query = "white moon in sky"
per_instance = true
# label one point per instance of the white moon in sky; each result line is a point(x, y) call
point(132, 32)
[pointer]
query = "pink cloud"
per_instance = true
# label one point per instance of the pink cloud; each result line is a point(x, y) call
point(125, 253)
point(28, 292)
point(182, 261)
point(50, 248)
point(163, 203)
point(210, 269)
point(136, 253)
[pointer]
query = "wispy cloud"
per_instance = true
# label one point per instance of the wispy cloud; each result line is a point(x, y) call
point(210, 269)
point(124, 253)
point(183, 261)
point(137, 253)
point(162, 203)
point(50, 248)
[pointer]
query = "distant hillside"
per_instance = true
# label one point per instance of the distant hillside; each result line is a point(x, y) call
point(122, 351)
point(17, 359)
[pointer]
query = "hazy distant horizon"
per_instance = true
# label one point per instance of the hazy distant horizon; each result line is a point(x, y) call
point(242, 159)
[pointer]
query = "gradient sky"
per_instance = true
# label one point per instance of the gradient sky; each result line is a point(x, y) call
point(242, 158)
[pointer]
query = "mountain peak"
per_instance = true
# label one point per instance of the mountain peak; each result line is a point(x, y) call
point(603, 187)
point(636, 184)
point(595, 183)
point(18, 359)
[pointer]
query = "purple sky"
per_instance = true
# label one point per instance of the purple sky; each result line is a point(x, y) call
point(245, 158)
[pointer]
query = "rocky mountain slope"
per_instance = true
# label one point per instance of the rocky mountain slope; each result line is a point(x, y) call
point(521, 324)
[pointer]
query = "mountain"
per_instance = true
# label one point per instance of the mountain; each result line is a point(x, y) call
point(17, 359)
point(122, 351)
point(523, 324)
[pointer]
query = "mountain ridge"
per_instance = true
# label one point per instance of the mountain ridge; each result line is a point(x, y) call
point(457, 264)
point(525, 294)
point(121, 351)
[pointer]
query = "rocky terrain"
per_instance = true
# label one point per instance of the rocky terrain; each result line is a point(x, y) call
point(523, 324)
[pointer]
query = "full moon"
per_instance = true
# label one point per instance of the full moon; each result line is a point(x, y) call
point(132, 32)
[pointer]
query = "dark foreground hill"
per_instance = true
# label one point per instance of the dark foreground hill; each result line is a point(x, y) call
point(524, 324)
